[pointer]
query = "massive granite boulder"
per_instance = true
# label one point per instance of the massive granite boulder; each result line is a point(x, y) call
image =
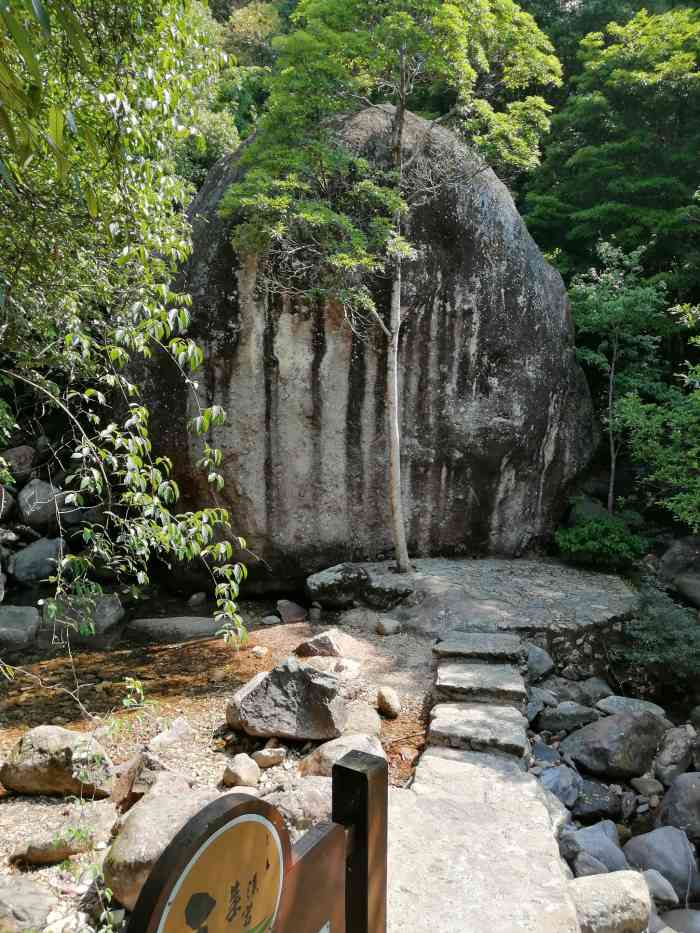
point(497, 417)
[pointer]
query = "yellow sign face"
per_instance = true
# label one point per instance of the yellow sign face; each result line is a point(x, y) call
point(233, 884)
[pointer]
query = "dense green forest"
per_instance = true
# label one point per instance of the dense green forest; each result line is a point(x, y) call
point(112, 114)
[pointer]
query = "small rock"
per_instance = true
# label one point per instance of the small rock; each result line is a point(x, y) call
point(85, 618)
point(586, 864)
point(269, 757)
point(53, 760)
point(21, 461)
point(694, 717)
point(259, 651)
point(324, 645)
point(647, 786)
point(668, 851)
point(614, 704)
point(37, 561)
point(290, 612)
point(660, 889)
point(321, 761)
point(566, 717)
point(18, 626)
point(594, 689)
point(388, 702)
point(388, 627)
point(681, 805)
point(40, 504)
point(315, 614)
point(196, 600)
point(242, 770)
point(545, 754)
point(675, 755)
point(596, 801)
point(362, 718)
point(601, 841)
point(618, 902)
point(539, 663)
point(271, 620)
point(563, 782)
point(304, 803)
point(179, 732)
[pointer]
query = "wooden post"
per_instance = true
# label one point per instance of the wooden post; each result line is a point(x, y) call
point(360, 802)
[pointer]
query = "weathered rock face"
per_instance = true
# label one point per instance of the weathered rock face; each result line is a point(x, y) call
point(496, 413)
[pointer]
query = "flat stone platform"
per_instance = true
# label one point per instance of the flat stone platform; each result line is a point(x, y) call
point(523, 597)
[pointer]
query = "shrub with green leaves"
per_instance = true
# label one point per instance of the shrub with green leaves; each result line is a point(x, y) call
point(603, 542)
point(663, 641)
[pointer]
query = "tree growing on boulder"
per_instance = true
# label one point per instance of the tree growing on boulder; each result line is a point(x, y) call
point(326, 225)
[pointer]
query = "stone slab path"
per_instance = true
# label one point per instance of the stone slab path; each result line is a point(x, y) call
point(472, 843)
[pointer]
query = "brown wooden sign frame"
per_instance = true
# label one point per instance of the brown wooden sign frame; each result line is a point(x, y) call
point(334, 880)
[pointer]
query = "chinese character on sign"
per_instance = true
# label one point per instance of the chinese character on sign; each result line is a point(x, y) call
point(234, 904)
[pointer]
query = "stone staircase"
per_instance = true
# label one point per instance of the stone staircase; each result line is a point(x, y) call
point(474, 822)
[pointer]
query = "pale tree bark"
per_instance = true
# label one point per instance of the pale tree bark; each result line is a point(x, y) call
point(393, 409)
point(611, 434)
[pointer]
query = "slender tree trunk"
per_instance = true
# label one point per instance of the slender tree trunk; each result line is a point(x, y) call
point(393, 415)
point(393, 411)
point(611, 431)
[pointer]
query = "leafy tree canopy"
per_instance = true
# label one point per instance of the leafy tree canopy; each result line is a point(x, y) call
point(622, 161)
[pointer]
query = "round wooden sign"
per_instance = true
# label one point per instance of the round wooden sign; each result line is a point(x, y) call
point(223, 873)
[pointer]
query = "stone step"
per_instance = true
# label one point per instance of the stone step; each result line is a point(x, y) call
point(481, 683)
point(479, 727)
point(492, 864)
point(481, 646)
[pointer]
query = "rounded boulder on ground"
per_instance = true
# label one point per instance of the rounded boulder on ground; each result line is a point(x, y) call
point(53, 760)
point(322, 759)
point(618, 902)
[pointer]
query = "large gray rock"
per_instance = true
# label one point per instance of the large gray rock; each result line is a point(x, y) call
point(496, 413)
point(18, 626)
point(675, 754)
point(290, 702)
point(36, 562)
point(21, 461)
point(601, 841)
point(171, 629)
point(40, 504)
point(681, 805)
point(661, 889)
point(24, 904)
point(688, 585)
point(621, 746)
point(146, 831)
point(682, 557)
point(613, 903)
point(615, 704)
point(87, 619)
point(53, 760)
point(667, 851)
